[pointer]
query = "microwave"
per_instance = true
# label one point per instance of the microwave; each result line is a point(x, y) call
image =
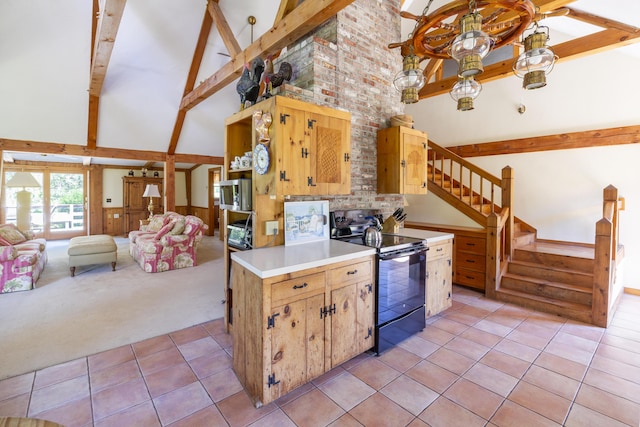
point(235, 194)
point(239, 234)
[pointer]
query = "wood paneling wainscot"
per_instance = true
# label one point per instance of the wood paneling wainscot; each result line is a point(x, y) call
point(113, 221)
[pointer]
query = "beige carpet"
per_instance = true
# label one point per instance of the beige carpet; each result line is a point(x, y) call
point(65, 317)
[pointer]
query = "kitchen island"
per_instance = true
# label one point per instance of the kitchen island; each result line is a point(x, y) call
point(299, 311)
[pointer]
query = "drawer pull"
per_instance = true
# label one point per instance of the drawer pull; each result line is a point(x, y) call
point(439, 250)
point(352, 272)
point(469, 277)
point(470, 244)
point(470, 261)
point(304, 285)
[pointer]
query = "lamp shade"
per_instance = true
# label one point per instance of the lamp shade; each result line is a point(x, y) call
point(22, 179)
point(151, 191)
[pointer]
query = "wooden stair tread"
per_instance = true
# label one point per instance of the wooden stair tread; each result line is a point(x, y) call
point(560, 248)
point(567, 286)
point(546, 300)
point(547, 267)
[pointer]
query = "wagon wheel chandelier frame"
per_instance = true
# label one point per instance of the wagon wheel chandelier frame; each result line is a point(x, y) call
point(467, 30)
point(502, 20)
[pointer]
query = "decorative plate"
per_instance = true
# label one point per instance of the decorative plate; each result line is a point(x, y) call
point(261, 159)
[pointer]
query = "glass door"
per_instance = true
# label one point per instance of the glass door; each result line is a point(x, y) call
point(67, 205)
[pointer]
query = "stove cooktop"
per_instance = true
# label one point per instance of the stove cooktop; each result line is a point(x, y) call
point(389, 242)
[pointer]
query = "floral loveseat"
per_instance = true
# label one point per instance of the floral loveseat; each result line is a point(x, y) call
point(22, 259)
point(168, 242)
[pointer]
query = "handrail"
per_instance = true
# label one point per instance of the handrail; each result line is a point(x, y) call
point(468, 175)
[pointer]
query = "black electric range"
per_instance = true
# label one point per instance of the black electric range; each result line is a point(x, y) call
point(400, 282)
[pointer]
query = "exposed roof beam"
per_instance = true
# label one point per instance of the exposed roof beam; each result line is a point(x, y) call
point(296, 24)
point(561, 141)
point(222, 25)
point(105, 36)
point(111, 153)
point(196, 61)
point(286, 6)
point(610, 38)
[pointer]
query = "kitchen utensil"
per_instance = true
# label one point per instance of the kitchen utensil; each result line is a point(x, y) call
point(372, 235)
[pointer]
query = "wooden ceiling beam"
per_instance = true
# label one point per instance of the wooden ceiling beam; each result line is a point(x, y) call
point(588, 45)
point(229, 40)
point(304, 18)
point(561, 141)
point(110, 153)
point(104, 33)
point(196, 62)
point(286, 6)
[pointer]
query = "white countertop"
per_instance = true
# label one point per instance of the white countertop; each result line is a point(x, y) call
point(276, 260)
point(428, 235)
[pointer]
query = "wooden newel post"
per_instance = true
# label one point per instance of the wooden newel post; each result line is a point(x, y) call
point(507, 202)
point(602, 273)
point(493, 256)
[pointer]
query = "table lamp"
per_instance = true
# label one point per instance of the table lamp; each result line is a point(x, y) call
point(23, 198)
point(151, 191)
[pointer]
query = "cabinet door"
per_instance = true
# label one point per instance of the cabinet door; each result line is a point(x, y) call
point(414, 157)
point(329, 155)
point(293, 165)
point(439, 280)
point(366, 317)
point(343, 324)
point(297, 345)
point(314, 154)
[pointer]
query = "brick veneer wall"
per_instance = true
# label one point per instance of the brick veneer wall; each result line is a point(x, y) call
point(345, 64)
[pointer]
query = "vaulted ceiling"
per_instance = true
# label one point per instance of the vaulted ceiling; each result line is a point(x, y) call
point(160, 78)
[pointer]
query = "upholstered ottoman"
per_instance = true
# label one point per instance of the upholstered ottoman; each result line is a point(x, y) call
point(87, 250)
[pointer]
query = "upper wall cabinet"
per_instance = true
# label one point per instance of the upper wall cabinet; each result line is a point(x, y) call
point(402, 161)
point(315, 153)
point(306, 149)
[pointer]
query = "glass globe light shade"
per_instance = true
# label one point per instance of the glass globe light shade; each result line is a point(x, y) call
point(410, 80)
point(535, 63)
point(470, 46)
point(464, 92)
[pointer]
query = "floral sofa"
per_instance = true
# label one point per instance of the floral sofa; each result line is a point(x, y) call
point(22, 259)
point(168, 242)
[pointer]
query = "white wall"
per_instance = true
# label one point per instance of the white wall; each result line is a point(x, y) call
point(112, 187)
point(558, 192)
point(200, 186)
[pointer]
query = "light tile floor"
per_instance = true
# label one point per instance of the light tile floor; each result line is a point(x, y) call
point(479, 363)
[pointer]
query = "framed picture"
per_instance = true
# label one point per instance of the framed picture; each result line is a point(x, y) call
point(306, 222)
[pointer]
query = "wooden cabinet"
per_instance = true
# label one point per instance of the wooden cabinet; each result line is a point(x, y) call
point(315, 159)
point(134, 204)
point(291, 328)
point(351, 288)
point(402, 161)
point(309, 150)
point(469, 253)
point(439, 277)
point(470, 261)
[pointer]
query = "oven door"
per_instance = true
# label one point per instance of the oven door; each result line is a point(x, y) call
point(401, 284)
point(400, 304)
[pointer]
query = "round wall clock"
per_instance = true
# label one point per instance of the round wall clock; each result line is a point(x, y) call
point(261, 159)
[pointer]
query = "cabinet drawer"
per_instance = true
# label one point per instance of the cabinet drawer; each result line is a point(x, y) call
point(351, 273)
point(439, 250)
point(470, 244)
point(294, 289)
point(474, 279)
point(471, 261)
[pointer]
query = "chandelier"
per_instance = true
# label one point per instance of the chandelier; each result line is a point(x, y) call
point(466, 31)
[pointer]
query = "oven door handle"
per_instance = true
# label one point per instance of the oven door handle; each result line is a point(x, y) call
point(402, 253)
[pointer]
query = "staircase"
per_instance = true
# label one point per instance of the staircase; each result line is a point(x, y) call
point(572, 280)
